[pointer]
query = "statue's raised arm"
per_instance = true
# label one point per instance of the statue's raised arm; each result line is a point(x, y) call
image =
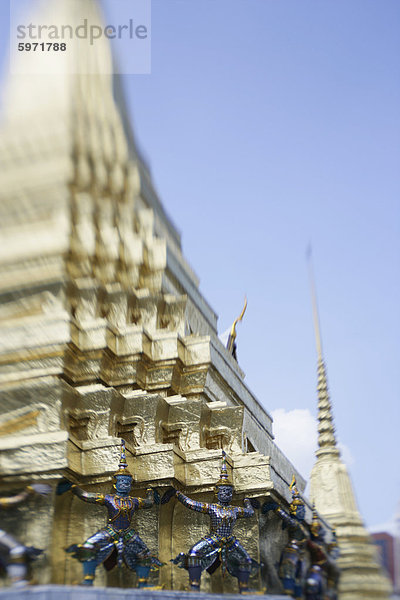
point(202, 507)
point(65, 485)
point(248, 510)
point(16, 555)
point(35, 488)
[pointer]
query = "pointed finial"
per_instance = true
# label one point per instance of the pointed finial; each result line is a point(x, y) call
point(231, 345)
point(326, 429)
point(122, 465)
point(316, 523)
point(224, 470)
point(296, 498)
point(314, 302)
point(224, 476)
point(122, 460)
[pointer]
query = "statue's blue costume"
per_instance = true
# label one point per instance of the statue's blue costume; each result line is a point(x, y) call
point(118, 542)
point(291, 565)
point(15, 557)
point(323, 575)
point(220, 546)
point(332, 569)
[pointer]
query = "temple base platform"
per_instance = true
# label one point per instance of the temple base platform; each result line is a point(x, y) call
point(65, 592)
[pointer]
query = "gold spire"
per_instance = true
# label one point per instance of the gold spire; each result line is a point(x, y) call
point(326, 430)
point(314, 304)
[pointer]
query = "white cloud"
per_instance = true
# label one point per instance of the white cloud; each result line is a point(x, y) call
point(391, 527)
point(346, 454)
point(224, 336)
point(296, 435)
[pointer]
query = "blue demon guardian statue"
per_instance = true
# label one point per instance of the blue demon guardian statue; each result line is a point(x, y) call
point(323, 575)
point(219, 547)
point(118, 542)
point(14, 556)
point(291, 565)
point(333, 571)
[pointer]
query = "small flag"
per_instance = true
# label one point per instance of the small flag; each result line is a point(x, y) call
point(231, 345)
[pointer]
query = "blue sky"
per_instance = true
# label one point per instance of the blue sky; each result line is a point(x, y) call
point(268, 125)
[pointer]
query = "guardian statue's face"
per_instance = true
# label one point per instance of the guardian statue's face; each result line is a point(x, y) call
point(224, 494)
point(123, 484)
point(317, 532)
